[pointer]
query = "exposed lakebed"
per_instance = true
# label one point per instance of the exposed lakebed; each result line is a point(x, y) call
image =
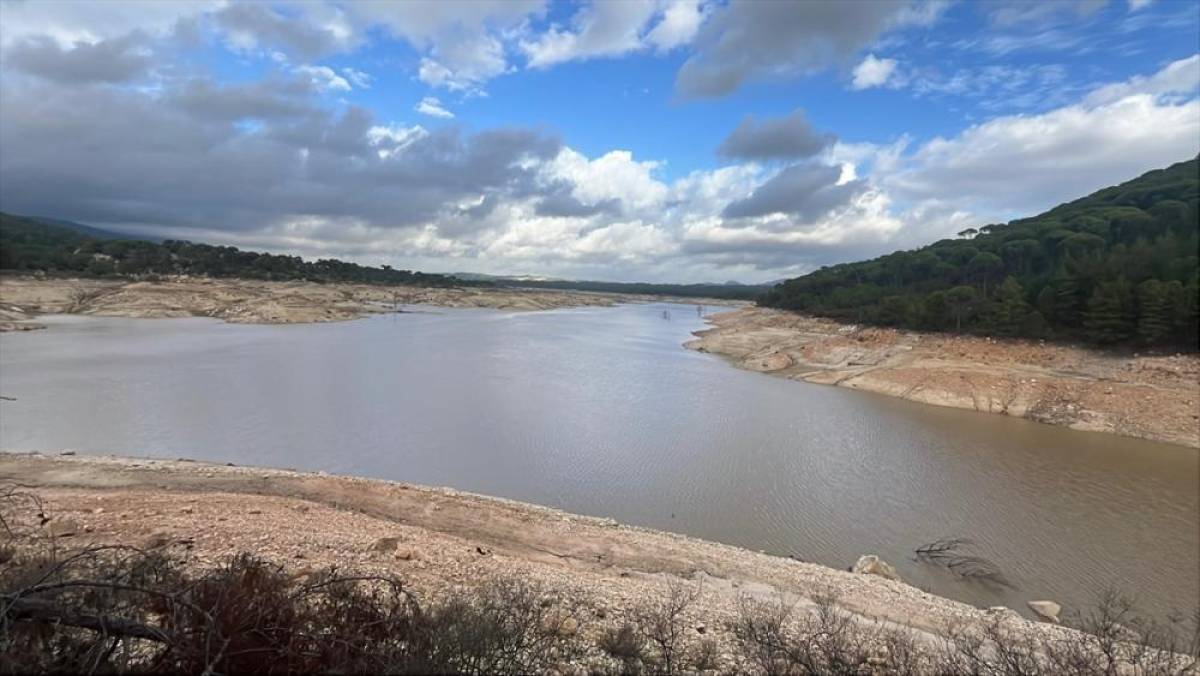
point(601, 411)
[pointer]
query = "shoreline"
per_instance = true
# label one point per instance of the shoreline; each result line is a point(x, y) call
point(441, 537)
point(1152, 397)
point(241, 301)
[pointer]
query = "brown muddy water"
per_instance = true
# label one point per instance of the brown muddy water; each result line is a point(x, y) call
point(601, 411)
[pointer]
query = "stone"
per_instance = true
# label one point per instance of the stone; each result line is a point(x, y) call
point(63, 528)
point(1047, 610)
point(406, 554)
point(870, 564)
point(385, 545)
point(568, 627)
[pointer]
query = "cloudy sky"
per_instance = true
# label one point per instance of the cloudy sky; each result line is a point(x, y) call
point(660, 140)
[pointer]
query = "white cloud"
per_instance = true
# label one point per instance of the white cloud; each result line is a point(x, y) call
point(357, 78)
point(1180, 77)
point(873, 72)
point(614, 175)
point(462, 43)
point(1022, 164)
point(600, 29)
point(389, 140)
point(433, 107)
point(1135, 5)
point(679, 24)
point(90, 22)
point(324, 78)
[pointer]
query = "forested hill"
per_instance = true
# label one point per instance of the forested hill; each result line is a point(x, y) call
point(725, 291)
point(1116, 267)
point(31, 245)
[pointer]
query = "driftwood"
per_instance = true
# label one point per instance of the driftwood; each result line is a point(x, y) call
point(953, 554)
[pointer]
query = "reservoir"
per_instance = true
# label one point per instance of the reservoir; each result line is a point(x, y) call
point(600, 411)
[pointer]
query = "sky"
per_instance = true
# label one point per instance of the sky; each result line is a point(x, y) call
point(630, 140)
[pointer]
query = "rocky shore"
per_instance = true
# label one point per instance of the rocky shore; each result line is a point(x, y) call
point(1154, 397)
point(242, 301)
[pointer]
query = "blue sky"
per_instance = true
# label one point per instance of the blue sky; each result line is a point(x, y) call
point(585, 139)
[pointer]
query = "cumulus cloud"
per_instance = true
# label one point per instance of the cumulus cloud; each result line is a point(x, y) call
point(111, 60)
point(324, 78)
point(462, 43)
point(1022, 164)
point(253, 25)
point(803, 192)
point(89, 22)
point(431, 106)
point(872, 72)
point(1180, 77)
point(680, 21)
point(599, 29)
point(749, 40)
point(787, 137)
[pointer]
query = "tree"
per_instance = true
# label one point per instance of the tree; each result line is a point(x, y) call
point(1108, 318)
point(961, 300)
point(1010, 310)
point(1154, 321)
point(983, 265)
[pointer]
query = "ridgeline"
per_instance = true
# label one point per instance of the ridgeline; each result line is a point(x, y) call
point(54, 247)
point(1118, 267)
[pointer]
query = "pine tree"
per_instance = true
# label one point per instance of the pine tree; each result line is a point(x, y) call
point(1108, 318)
point(1154, 312)
point(1010, 308)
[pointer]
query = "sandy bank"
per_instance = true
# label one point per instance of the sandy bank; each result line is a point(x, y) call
point(22, 299)
point(1150, 397)
point(444, 537)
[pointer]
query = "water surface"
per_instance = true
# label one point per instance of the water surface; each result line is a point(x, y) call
point(600, 411)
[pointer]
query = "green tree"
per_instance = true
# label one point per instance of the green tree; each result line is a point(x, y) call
point(1010, 309)
point(1109, 317)
point(961, 300)
point(1154, 322)
point(983, 266)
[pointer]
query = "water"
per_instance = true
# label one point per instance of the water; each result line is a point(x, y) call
point(600, 411)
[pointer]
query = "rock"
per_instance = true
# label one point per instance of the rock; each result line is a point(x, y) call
point(156, 540)
point(870, 564)
point(1047, 610)
point(700, 629)
point(385, 545)
point(63, 528)
point(568, 627)
point(406, 554)
point(67, 453)
point(255, 511)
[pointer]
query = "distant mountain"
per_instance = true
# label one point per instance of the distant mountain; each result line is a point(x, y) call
point(87, 230)
point(481, 277)
point(725, 291)
point(29, 244)
point(1119, 266)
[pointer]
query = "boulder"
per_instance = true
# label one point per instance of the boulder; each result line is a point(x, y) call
point(385, 545)
point(870, 564)
point(1047, 610)
point(63, 528)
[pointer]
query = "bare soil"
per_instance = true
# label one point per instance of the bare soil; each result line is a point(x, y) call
point(437, 539)
point(1154, 397)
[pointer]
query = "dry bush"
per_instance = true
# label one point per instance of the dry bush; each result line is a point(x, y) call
point(116, 609)
point(777, 638)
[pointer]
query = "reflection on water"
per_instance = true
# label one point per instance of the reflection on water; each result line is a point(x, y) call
point(600, 411)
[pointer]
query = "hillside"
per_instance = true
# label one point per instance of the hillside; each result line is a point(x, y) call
point(729, 291)
point(1118, 267)
point(28, 244)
